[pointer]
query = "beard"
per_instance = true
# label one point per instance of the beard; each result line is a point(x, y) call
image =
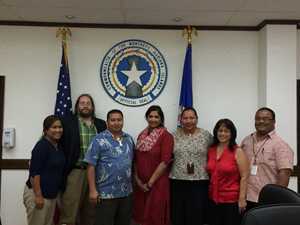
point(85, 113)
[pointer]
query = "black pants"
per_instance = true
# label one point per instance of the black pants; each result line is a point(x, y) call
point(251, 205)
point(188, 202)
point(224, 214)
point(117, 211)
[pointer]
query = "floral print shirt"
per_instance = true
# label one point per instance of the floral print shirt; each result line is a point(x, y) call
point(113, 164)
point(190, 149)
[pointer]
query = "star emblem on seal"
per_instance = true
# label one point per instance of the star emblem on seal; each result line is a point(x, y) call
point(133, 72)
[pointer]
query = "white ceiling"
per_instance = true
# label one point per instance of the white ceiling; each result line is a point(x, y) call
point(151, 12)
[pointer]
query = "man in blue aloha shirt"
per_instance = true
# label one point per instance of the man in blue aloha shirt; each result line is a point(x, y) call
point(109, 172)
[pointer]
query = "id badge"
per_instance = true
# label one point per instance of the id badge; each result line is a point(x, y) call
point(190, 168)
point(253, 170)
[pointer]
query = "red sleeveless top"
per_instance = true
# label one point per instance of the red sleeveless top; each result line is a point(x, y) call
point(224, 175)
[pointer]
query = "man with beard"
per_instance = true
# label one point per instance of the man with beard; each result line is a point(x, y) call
point(270, 157)
point(79, 130)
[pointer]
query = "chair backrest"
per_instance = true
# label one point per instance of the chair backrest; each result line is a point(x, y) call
point(285, 214)
point(276, 194)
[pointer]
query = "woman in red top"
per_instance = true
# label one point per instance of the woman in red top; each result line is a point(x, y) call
point(228, 169)
point(153, 153)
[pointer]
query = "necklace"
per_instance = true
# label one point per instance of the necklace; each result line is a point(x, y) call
point(119, 139)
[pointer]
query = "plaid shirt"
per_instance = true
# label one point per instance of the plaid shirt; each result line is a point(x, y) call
point(272, 154)
point(87, 133)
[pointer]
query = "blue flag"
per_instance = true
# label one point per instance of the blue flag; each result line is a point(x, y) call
point(63, 105)
point(186, 92)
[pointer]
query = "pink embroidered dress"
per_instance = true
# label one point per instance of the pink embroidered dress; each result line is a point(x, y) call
point(153, 207)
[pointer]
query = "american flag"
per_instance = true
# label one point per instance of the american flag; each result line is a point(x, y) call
point(63, 105)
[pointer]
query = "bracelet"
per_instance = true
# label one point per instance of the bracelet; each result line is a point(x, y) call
point(98, 199)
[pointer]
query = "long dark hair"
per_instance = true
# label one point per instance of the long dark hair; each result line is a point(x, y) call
point(230, 126)
point(92, 101)
point(157, 109)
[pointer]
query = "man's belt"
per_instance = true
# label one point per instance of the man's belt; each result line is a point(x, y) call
point(81, 167)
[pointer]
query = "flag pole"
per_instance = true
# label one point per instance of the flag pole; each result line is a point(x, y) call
point(64, 33)
point(63, 103)
point(186, 91)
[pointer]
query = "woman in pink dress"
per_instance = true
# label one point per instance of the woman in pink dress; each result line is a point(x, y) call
point(153, 154)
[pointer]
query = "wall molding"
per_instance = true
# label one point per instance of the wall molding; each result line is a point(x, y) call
point(14, 164)
point(20, 164)
point(152, 27)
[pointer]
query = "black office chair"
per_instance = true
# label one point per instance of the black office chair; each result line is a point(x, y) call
point(276, 194)
point(283, 214)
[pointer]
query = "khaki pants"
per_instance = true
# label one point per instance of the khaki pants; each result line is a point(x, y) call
point(36, 216)
point(75, 205)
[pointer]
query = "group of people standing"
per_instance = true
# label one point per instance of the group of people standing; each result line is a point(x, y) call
point(102, 177)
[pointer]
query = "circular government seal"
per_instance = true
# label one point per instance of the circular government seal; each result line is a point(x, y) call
point(133, 72)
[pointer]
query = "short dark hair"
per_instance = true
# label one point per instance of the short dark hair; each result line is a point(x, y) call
point(189, 109)
point(112, 112)
point(48, 121)
point(92, 101)
point(230, 126)
point(267, 109)
point(157, 109)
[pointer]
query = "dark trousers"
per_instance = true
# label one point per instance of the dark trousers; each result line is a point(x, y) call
point(251, 205)
point(224, 214)
point(117, 211)
point(188, 202)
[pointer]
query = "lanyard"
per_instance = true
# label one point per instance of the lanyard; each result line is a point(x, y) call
point(261, 148)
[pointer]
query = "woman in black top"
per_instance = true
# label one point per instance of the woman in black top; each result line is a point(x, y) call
point(45, 174)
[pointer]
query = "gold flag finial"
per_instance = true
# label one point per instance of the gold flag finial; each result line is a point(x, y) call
point(189, 31)
point(64, 32)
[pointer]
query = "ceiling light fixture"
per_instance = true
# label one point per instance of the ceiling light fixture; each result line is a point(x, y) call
point(70, 17)
point(177, 19)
